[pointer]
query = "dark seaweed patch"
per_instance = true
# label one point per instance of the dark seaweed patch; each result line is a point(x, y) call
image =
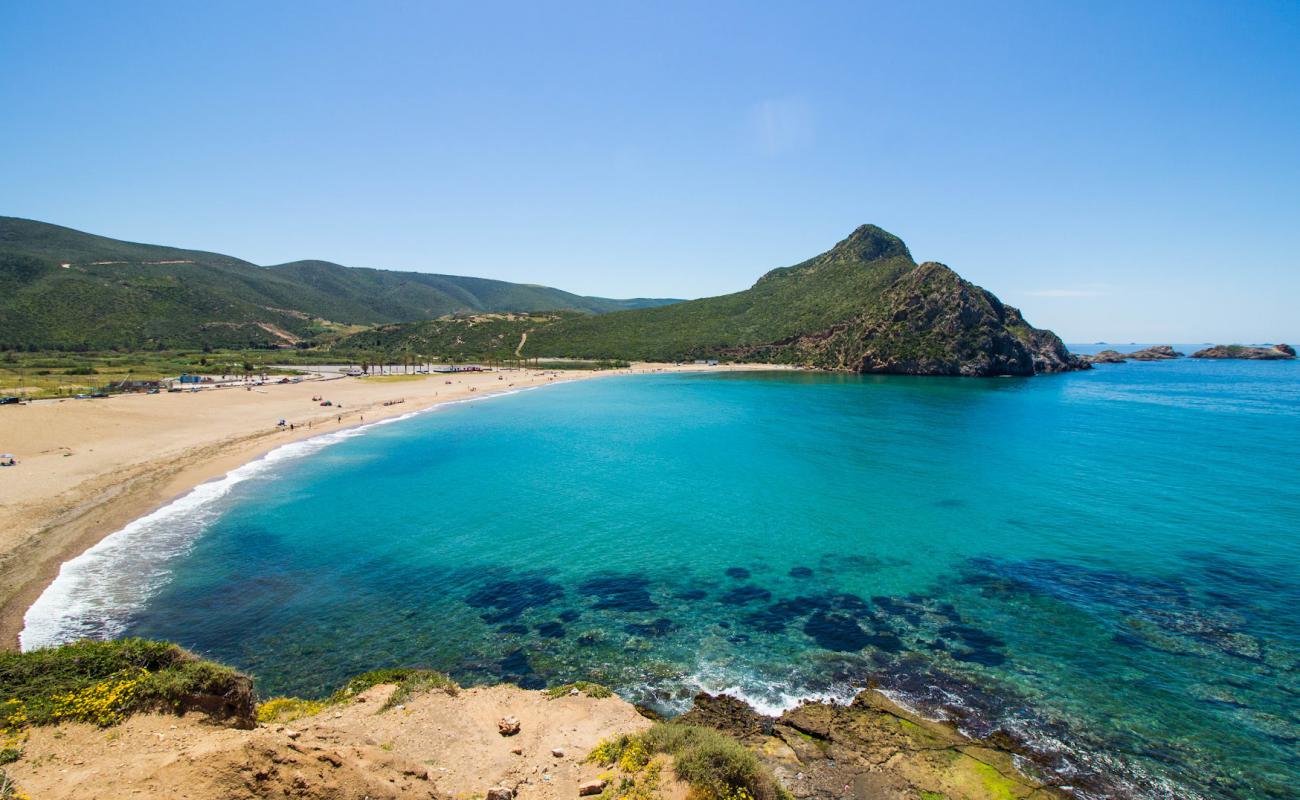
point(988, 658)
point(509, 598)
point(748, 593)
point(739, 573)
point(619, 592)
point(849, 602)
point(835, 631)
point(950, 502)
point(551, 630)
point(859, 564)
point(886, 641)
point(800, 572)
point(515, 629)
point(516, 669)
point(570, 616)
point(660, 627)
point(774, 618)
point(693, 594)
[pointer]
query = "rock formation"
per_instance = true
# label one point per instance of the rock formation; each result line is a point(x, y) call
point(1276, 352)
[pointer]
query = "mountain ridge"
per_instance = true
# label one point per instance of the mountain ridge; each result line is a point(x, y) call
point(66, 289)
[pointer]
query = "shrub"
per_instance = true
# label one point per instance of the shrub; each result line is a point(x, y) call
point(103, 683)
point(288, 709)
point(8, 791)
point(408, 680)
point(715, 766)
point(586, 687)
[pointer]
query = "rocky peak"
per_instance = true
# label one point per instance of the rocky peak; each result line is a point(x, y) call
point(869, 243)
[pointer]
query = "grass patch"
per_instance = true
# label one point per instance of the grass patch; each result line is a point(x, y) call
point(585, 687)
point(9, 790)
point(288, 709)
point(103, 683)
point(715, 766)
point(409, 681)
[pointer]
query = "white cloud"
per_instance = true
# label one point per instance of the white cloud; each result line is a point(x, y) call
point(779, 125)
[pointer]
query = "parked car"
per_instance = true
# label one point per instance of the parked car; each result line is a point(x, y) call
point(8, 401)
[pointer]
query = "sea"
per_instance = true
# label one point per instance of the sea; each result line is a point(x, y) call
point(1101, 566)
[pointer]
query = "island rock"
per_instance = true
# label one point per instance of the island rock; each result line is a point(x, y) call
point(1277, 352)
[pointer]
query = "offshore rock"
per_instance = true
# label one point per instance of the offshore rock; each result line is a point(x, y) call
point(1277, 352)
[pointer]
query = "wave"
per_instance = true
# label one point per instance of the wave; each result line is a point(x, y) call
point(95, 594)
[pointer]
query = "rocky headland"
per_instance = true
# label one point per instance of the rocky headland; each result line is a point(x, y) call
point(1277, 352)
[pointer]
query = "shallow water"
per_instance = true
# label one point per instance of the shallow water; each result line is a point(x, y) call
point(1101, 564)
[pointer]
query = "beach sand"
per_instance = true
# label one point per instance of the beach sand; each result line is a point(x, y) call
point(88, 467)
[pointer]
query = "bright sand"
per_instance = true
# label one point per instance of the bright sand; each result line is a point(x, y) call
point(88, 467)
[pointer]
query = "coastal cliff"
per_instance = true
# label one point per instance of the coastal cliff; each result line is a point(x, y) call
point(932, 322)
point(179, 726)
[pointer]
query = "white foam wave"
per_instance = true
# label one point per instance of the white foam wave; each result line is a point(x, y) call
point(95, 593)
point(768, 697)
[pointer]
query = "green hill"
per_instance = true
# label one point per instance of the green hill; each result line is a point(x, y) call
point(64, 289)
point(862, 306)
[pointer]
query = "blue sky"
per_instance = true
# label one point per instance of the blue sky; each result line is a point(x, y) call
point(1120, 171)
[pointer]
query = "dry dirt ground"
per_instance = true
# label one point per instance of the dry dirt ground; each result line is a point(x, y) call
point(436, 745)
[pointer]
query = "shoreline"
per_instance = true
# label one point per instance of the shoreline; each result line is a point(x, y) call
point(61, 500)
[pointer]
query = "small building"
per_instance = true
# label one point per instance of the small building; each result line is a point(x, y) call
point(707, 362)
point(458, 368)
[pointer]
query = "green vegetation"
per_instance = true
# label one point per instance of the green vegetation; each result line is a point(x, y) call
point(8, 790)
point(105, 682)
point(863, 305)
point(585, 687)
point(60, 374)
point(783, 304)
point(409, 681)
point(715, 766)
point(62, 289)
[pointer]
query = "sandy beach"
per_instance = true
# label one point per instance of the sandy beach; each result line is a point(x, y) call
point(88, 467)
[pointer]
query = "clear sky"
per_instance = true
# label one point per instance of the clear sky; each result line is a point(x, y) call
point(1120, 171)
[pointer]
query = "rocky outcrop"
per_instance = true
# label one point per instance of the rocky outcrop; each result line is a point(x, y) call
point(1277, 352)
point(871, 748)
point(932, 322)
point(1160, 352)
point(1106, 357)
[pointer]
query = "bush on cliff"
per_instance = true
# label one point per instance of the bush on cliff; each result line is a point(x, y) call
point(715, 766)
point(408, 681)
point(103, 683)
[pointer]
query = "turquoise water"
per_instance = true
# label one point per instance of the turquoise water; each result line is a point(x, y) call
point(1101, 565)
